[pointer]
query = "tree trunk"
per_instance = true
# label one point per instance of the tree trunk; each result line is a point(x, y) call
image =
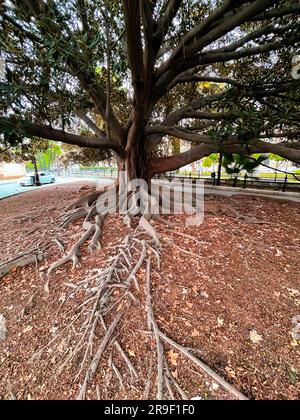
point(137, 163)
point(220, 169)
point(37, 181)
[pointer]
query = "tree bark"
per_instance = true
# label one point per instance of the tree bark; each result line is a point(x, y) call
point(37, 181)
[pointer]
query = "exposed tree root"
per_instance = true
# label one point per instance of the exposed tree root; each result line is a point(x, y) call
point(91, 336)
point(215, 208)
point(21, 261)
point(93, 330)
point(162, 370)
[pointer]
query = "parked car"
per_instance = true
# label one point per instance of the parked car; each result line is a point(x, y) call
point(45, 178)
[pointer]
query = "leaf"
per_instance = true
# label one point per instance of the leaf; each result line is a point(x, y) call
point(255, 337)
point(172, 355)
point(230, 372)
point(293, 292)
point(214, 387)
point(195, 333)
point(195, 289)
point(120, 307)
point(62, 298)
point(220, 322)
point(27, 329)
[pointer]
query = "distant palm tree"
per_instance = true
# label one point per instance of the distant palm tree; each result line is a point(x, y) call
point(236, 165)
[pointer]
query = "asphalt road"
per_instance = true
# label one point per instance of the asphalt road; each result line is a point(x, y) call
point(9, 188)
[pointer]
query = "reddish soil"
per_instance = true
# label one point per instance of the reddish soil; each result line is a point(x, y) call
point(232, 304)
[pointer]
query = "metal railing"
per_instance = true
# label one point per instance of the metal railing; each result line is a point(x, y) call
point(280, 184)
point(110, 173)
point(284, 184)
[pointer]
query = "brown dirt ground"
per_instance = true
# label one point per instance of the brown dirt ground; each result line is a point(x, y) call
point(246, 278)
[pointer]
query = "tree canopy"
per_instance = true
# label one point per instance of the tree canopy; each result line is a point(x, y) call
point(217, 74)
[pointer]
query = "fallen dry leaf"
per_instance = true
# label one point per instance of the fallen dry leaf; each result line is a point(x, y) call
point(220, 322)
point(230, 372)
point(195, 333)
point(120, 307)
point(173, 357)
point(294, 343)
point(195, 289)
point(255, 337)
point(27, 329)
point(62, 298)
point(293, 292)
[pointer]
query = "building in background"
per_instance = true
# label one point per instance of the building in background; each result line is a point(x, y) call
point(11, 170)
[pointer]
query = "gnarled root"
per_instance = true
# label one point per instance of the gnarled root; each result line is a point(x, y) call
point(95, 326)
point(92, 229)
point(21, 261)
point(163, 371)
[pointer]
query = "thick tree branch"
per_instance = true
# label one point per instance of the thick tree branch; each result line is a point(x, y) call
point(90, 124)
point(131, 10)
point(228, 25)
point(234, 145)
point(181, 113)
point(278, 149)
point(195, 32)
point(281, 135)
point(178, 64)
point(49, 133)
point(171, 163)
point(161, 86)
point(149, 51)
point(258, 33)
point(211, 57)
point(165, 21)
point(199, 79)
point(279, 12)
point(178, 133)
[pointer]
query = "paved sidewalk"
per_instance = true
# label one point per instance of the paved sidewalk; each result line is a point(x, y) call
point(9, 188)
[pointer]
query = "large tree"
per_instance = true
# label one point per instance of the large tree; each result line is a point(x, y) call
point(139, 64)
point(217, 75)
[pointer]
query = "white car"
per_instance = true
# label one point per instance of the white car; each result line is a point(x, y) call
point(45, 178)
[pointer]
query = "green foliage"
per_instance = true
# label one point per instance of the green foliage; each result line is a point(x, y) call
point(210, 160)
point(83, 156)
point(47, 158)
point(276, 158)
point(235, 164)
point(42, 151)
